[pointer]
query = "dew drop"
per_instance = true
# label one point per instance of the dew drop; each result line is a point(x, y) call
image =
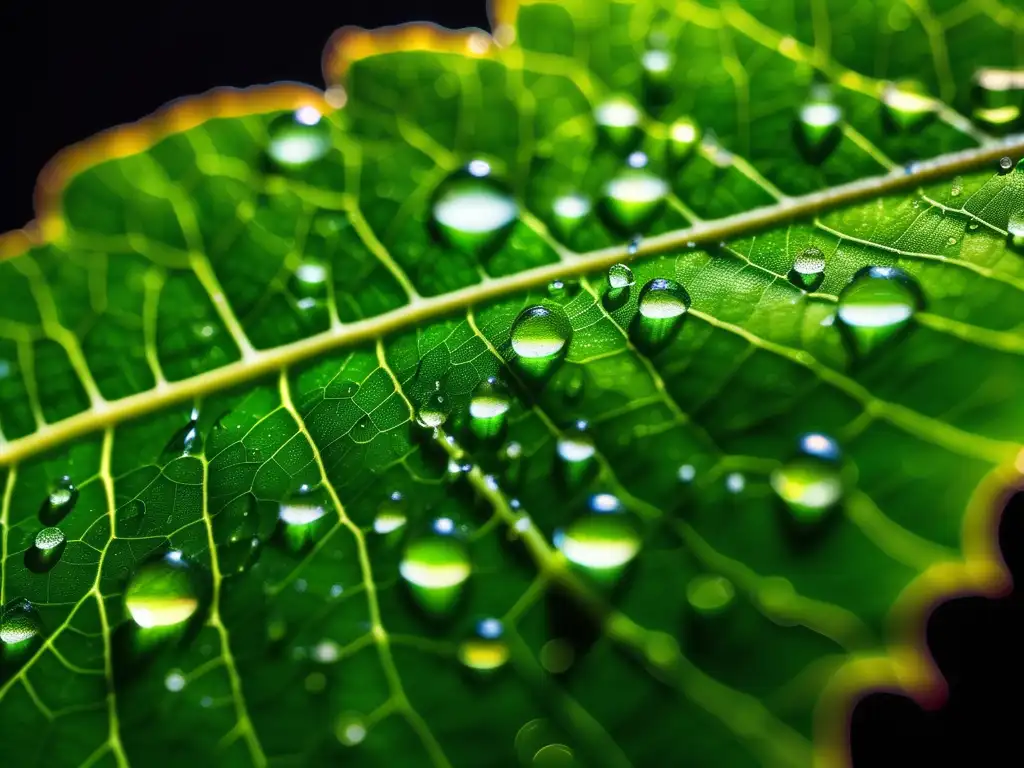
point(576, 444)
point(539, 336)
point(350, 729)
point(808, 270)
point(391, 514)
point(958, 186)
point(19, 624)
point(618, 121)
point(485, 650)
point(187, 441)
point(632, 199)
point(433, 411)
point(620, 276)
point(174, 681)
point(811, 481)
point(488, 407)
point(46, 550)
point(683, 136)
point(436, 567)
point(303, 507)
point(1005, 164)
point(160, 593)
point(906, 107)
point(662, 305)
point(819, 129)
point(554, 756)
point(876, 304)
point(997, 97)
point(602, 541)
point(686, 473)
point(59, 501)
point(735, 482)
point(308, 285)
point(472, 211)
point(709, 594)
point(299, 139)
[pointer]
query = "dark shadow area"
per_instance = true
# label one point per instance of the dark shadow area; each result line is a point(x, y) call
point(979, 646)
point(71, 70)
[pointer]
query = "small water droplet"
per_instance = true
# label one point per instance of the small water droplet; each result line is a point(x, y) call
point(661, 307)
point(876, 304)
point(620, 276)
point(735, 482)
point(539, 336)
point(488, 407)
point(819, 129)
point(686, 473)
point(326, 651)
point(46, 550)
point(683, 136)
point(811, 481)
point(303, 507)
point(554, 756)
point(1005, 164)
point(160, 593)
point(391, 514)
point(632, 199)
point(602, 541)
point(618, 122)
point(436, 567)
point(808, 270)
point(350, 729)
point(174, 681)
point(569, 211)
point(59, 501)
point(958, 186)
point(485, 650)
point(973, 225)
point(709, 594)
point(433, 411)
point(906, 107)
point(19, 624)
point(474, 212)
point(637, 160)
point(299, 138)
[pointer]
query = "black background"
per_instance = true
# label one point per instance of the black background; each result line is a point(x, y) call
point(70, 70)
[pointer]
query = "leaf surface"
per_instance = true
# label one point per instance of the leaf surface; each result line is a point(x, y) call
point(193, 333)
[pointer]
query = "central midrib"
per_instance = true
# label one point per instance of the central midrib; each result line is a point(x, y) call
point(268, 361)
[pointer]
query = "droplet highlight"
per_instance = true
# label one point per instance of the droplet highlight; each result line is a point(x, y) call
point(808, 270)
point(472, 211)
point(875, 306)
point(603, 541)
point(436, 567)
point(486, 649)
point(811, 482)
point(161, 593)
point(299, 139)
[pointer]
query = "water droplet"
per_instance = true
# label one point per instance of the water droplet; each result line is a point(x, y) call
point(436, 567)
point(1005, 164)
point(569, 211)
point(657, 62)
point(326, 652)
point(488, 407)
point(603, 540)
point(554, 756)
point(709, 594)
point(511, 458)
point(433, 411)
point(576, 449)
point(620, 279)
point(160, 593)
point(683, 136)
point(632, 199)
point(540, 334)
point(46, 550)
point(19, 624)
point(59, 502)
point(299, 139)
point(958, 186)
point(303, 507)
point(390, 514)
point(686, 473)
point(811, 482)
point(308, 285)
point(1015, 231)
point(876, 304)
point(735, 482)
point(662, 305)
point(997, 97)
point(175, 681)
point(618, 122)
point(808, 270)
point(637, 160)
point(563, 291)
point(350, 728)
point(473, 211)
point(485, 650)
point(906, 107)
point(819, 129)
point(187, 441)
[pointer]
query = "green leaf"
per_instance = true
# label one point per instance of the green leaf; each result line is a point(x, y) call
point(227, 537)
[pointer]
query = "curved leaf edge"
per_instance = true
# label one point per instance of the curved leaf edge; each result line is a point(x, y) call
point(907, 668)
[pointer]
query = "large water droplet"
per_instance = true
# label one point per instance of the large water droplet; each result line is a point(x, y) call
point(632, 199)
point(603, 541)
point(620, 276)
point(811, 482)
point(708, 594)
point(19, 625)
point(391, 514)
point(488, 408)
point(662, 305)
point(436, 567)
point(539, 336)
point(46, 550)
point(473, 211)
point(161, 594)
point(485, 650)
point(808, 270)
point(59, 501)
point(299, 139)
point(876, 304)
point(906, 107)
point(618, 122)
point(1015, 231)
